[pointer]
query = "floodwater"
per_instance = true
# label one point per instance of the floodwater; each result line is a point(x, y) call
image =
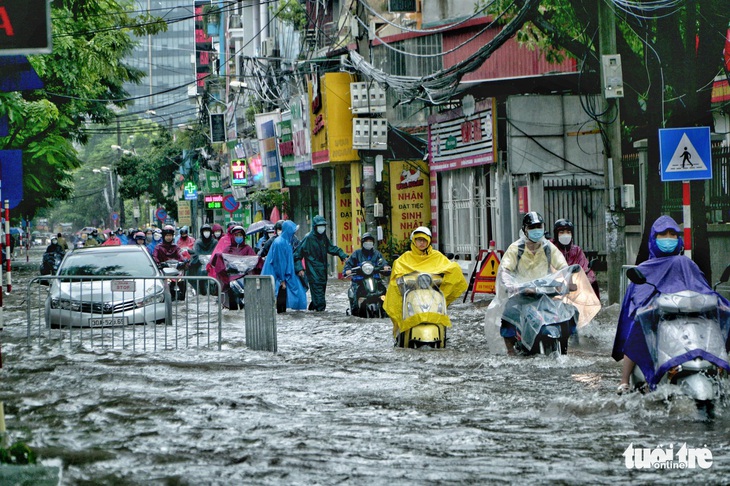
point(338, 404)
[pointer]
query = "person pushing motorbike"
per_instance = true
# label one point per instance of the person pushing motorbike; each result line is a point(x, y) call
point(367, 253)
point(314, 248)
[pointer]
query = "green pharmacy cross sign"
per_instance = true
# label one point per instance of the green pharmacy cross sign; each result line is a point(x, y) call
point(190, 190)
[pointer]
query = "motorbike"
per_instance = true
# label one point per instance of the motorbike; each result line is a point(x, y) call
point(366, 298)
point(544, 313)
point(686, 335)
point(49, 265)
point(424, 311)
point(173, 269)
point(198, 269)
point(230, 270)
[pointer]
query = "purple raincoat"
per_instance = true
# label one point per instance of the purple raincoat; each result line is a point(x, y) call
point(670, 273)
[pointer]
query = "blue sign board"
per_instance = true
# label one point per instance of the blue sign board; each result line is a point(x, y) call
point(11, 175)
point(685, 154)
point(190, 191)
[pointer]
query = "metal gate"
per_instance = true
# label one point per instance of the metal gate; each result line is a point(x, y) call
point(579, 199)
point(139, 314)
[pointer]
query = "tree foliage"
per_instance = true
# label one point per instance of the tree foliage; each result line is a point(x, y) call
point(670, 54)
point(83, 79)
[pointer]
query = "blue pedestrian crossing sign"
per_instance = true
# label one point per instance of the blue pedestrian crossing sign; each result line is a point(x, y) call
point(685, 154)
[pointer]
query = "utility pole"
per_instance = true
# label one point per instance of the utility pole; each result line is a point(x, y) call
point(367, 156)
point(615, 218)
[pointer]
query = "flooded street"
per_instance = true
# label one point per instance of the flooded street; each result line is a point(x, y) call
point(338, 404)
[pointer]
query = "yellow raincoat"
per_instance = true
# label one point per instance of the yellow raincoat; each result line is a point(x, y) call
point(428, 261)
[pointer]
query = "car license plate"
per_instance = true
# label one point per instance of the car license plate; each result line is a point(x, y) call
point(107, 321)
point(123, 286)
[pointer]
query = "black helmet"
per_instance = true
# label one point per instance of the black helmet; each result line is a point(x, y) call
point(168, 230)
point(184, 230)
point(367, 236)
point(532, 218)
point(206, 226)
point(562, 224)
point(270, 228)
point(279, 225)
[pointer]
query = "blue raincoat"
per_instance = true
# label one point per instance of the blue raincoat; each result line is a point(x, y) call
point(670, 273)
point(280, 265)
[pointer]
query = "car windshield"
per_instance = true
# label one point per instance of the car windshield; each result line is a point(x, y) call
point(124, 264)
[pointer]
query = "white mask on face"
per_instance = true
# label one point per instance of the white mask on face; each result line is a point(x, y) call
point(565, 239)
point(217, 234)
point(278, 232)
point(206, 234)
point(321, 229)
point(368, 245)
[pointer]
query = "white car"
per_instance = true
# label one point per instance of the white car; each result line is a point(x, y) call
point(123, 286)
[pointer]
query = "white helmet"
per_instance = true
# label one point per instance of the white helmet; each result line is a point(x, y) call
point(421, 229)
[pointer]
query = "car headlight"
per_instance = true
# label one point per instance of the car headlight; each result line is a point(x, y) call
point(55, 303)
point(153, 295)
point(367, 268)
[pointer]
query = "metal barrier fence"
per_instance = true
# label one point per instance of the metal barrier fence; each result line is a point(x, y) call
point(140, 314)
point(260, 313)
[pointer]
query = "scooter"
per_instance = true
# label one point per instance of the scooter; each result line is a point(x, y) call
point(367, 300)
point(542, 313)
point(49, 265)
point(686, 334)
point(236, 267)
point(424, 311)
point(198, 269)
point(173, 269)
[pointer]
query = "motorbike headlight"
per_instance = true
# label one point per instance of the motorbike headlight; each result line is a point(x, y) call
point(367, 268)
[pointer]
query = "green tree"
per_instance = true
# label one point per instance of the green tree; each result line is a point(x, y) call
point(670, 53)
point(83, 79)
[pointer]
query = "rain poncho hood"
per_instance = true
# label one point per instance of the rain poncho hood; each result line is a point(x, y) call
point(669, 274)
point(280, 265)
point(428, 261)
point(662, 224)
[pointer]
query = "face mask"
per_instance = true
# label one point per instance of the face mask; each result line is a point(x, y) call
point(238, 239)
point(667, 245)
point(565, 239)
point(535, 234)
point(148, 237)
point(368, 245)
point(217, 234)
point(54, 241)
point(157, 237)
point(206, 234)
point(278, 232)
point(321, 229)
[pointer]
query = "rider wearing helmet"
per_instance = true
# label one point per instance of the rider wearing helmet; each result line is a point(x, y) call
point(156, 239)
point(140, 239)
point(278, 228)
point(367, 253)
point(530, 257)
point(268, 233)
point(422, 258)
point(185, 241)
point(563, 239)
point(167, 250)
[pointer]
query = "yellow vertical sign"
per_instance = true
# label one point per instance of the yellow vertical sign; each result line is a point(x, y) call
point(358, 217)
point(343, 209)
point(409, 197)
